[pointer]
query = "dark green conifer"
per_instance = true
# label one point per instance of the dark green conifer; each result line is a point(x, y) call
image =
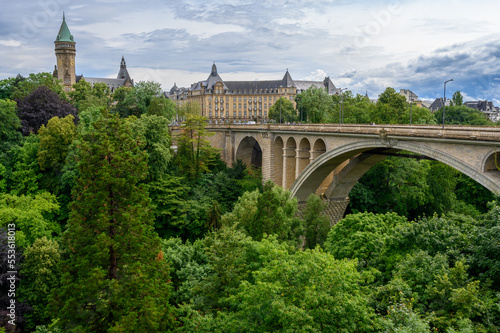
point(114, 276)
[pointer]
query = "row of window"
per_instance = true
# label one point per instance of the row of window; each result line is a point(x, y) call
point(240, 114)
point(255, 100)
point(255, 107)
point(255, 91)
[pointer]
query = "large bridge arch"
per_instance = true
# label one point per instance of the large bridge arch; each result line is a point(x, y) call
point(359, 154)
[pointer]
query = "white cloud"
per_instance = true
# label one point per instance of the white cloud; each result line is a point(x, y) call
point(11, 42)
point(317, 75)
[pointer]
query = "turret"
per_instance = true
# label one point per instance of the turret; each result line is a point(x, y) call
point(65, 54)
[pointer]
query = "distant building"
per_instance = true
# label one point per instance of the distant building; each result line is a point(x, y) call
point(438, 104)
point(242, 100)
point(65, 69)
point(487, 107)
point(426, 104)
point(411, 97)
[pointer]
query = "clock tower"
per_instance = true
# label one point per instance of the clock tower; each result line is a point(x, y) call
point(65, 55)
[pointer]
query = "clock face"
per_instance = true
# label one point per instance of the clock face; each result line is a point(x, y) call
point(72, 62)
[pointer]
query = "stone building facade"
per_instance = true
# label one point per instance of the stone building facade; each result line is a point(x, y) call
point(237, 101)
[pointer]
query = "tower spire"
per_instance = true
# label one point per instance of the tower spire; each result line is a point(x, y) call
point(64, 34)
point(214, 70)
point(123, 73)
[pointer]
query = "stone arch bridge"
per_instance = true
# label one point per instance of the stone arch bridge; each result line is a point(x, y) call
point(330, 159)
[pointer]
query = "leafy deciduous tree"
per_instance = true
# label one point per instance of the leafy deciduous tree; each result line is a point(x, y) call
point(282, 111)
point(137, 100)
point(10, 255)
point(26, 86)
point(462, 115)
point(162, 106)
point(40, 276)
point(39, 107)
point(31, 215)
point(153, 131)
point(316, 223)
point(389, 108)
point(85, 95)
point(362, 236)
point(271, 212)
point(194, 153)
point(457, 99)
point(9, 127)
point(55, 140)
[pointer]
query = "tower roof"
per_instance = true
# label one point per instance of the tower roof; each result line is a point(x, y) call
point(123, 73)
point(287, 80)
point(213, 78)
point(64, 34)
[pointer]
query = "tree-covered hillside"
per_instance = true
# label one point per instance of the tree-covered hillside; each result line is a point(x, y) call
point(115, 231)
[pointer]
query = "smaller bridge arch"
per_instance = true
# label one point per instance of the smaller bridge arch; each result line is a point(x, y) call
point(491, 162)
point(277, 171)
point(319, 148)
point(249, 151)
point(289, 162)
point(303, 155)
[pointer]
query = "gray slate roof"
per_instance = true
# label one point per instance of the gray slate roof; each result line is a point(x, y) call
point(112, 84)
point(258, 86)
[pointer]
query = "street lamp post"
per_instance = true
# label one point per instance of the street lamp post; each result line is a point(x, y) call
point(341, 111)
point(444, 98)
point(280, 110)
point(411, 104)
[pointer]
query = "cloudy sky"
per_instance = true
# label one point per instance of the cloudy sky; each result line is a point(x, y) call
point(361, 45)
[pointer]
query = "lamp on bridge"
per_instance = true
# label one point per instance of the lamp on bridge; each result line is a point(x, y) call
point(411, 103)
point(341, 111)
point(444, 100)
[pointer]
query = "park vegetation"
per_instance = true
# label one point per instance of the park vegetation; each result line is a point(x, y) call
point(116, 231)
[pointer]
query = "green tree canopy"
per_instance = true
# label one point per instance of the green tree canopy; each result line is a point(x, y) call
point(114, 276)
point(351, 109)
point(85, 95)
point(457, 99)
point(194, 153)
point(271, 212)
point(162, 106)
point(137, 100)
point(390, 108)
point(315, 105)
point(55, 140)
point(419, 115)
point(153, 131)
point(10, 125)
point(255, 286)
point(31, 215)
point(27, 86)
point(462, 115)
point(282, 111)
point(316, 223)
point(24, 172)
point(40, 277)
point(8, 85)
point(362, 236)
